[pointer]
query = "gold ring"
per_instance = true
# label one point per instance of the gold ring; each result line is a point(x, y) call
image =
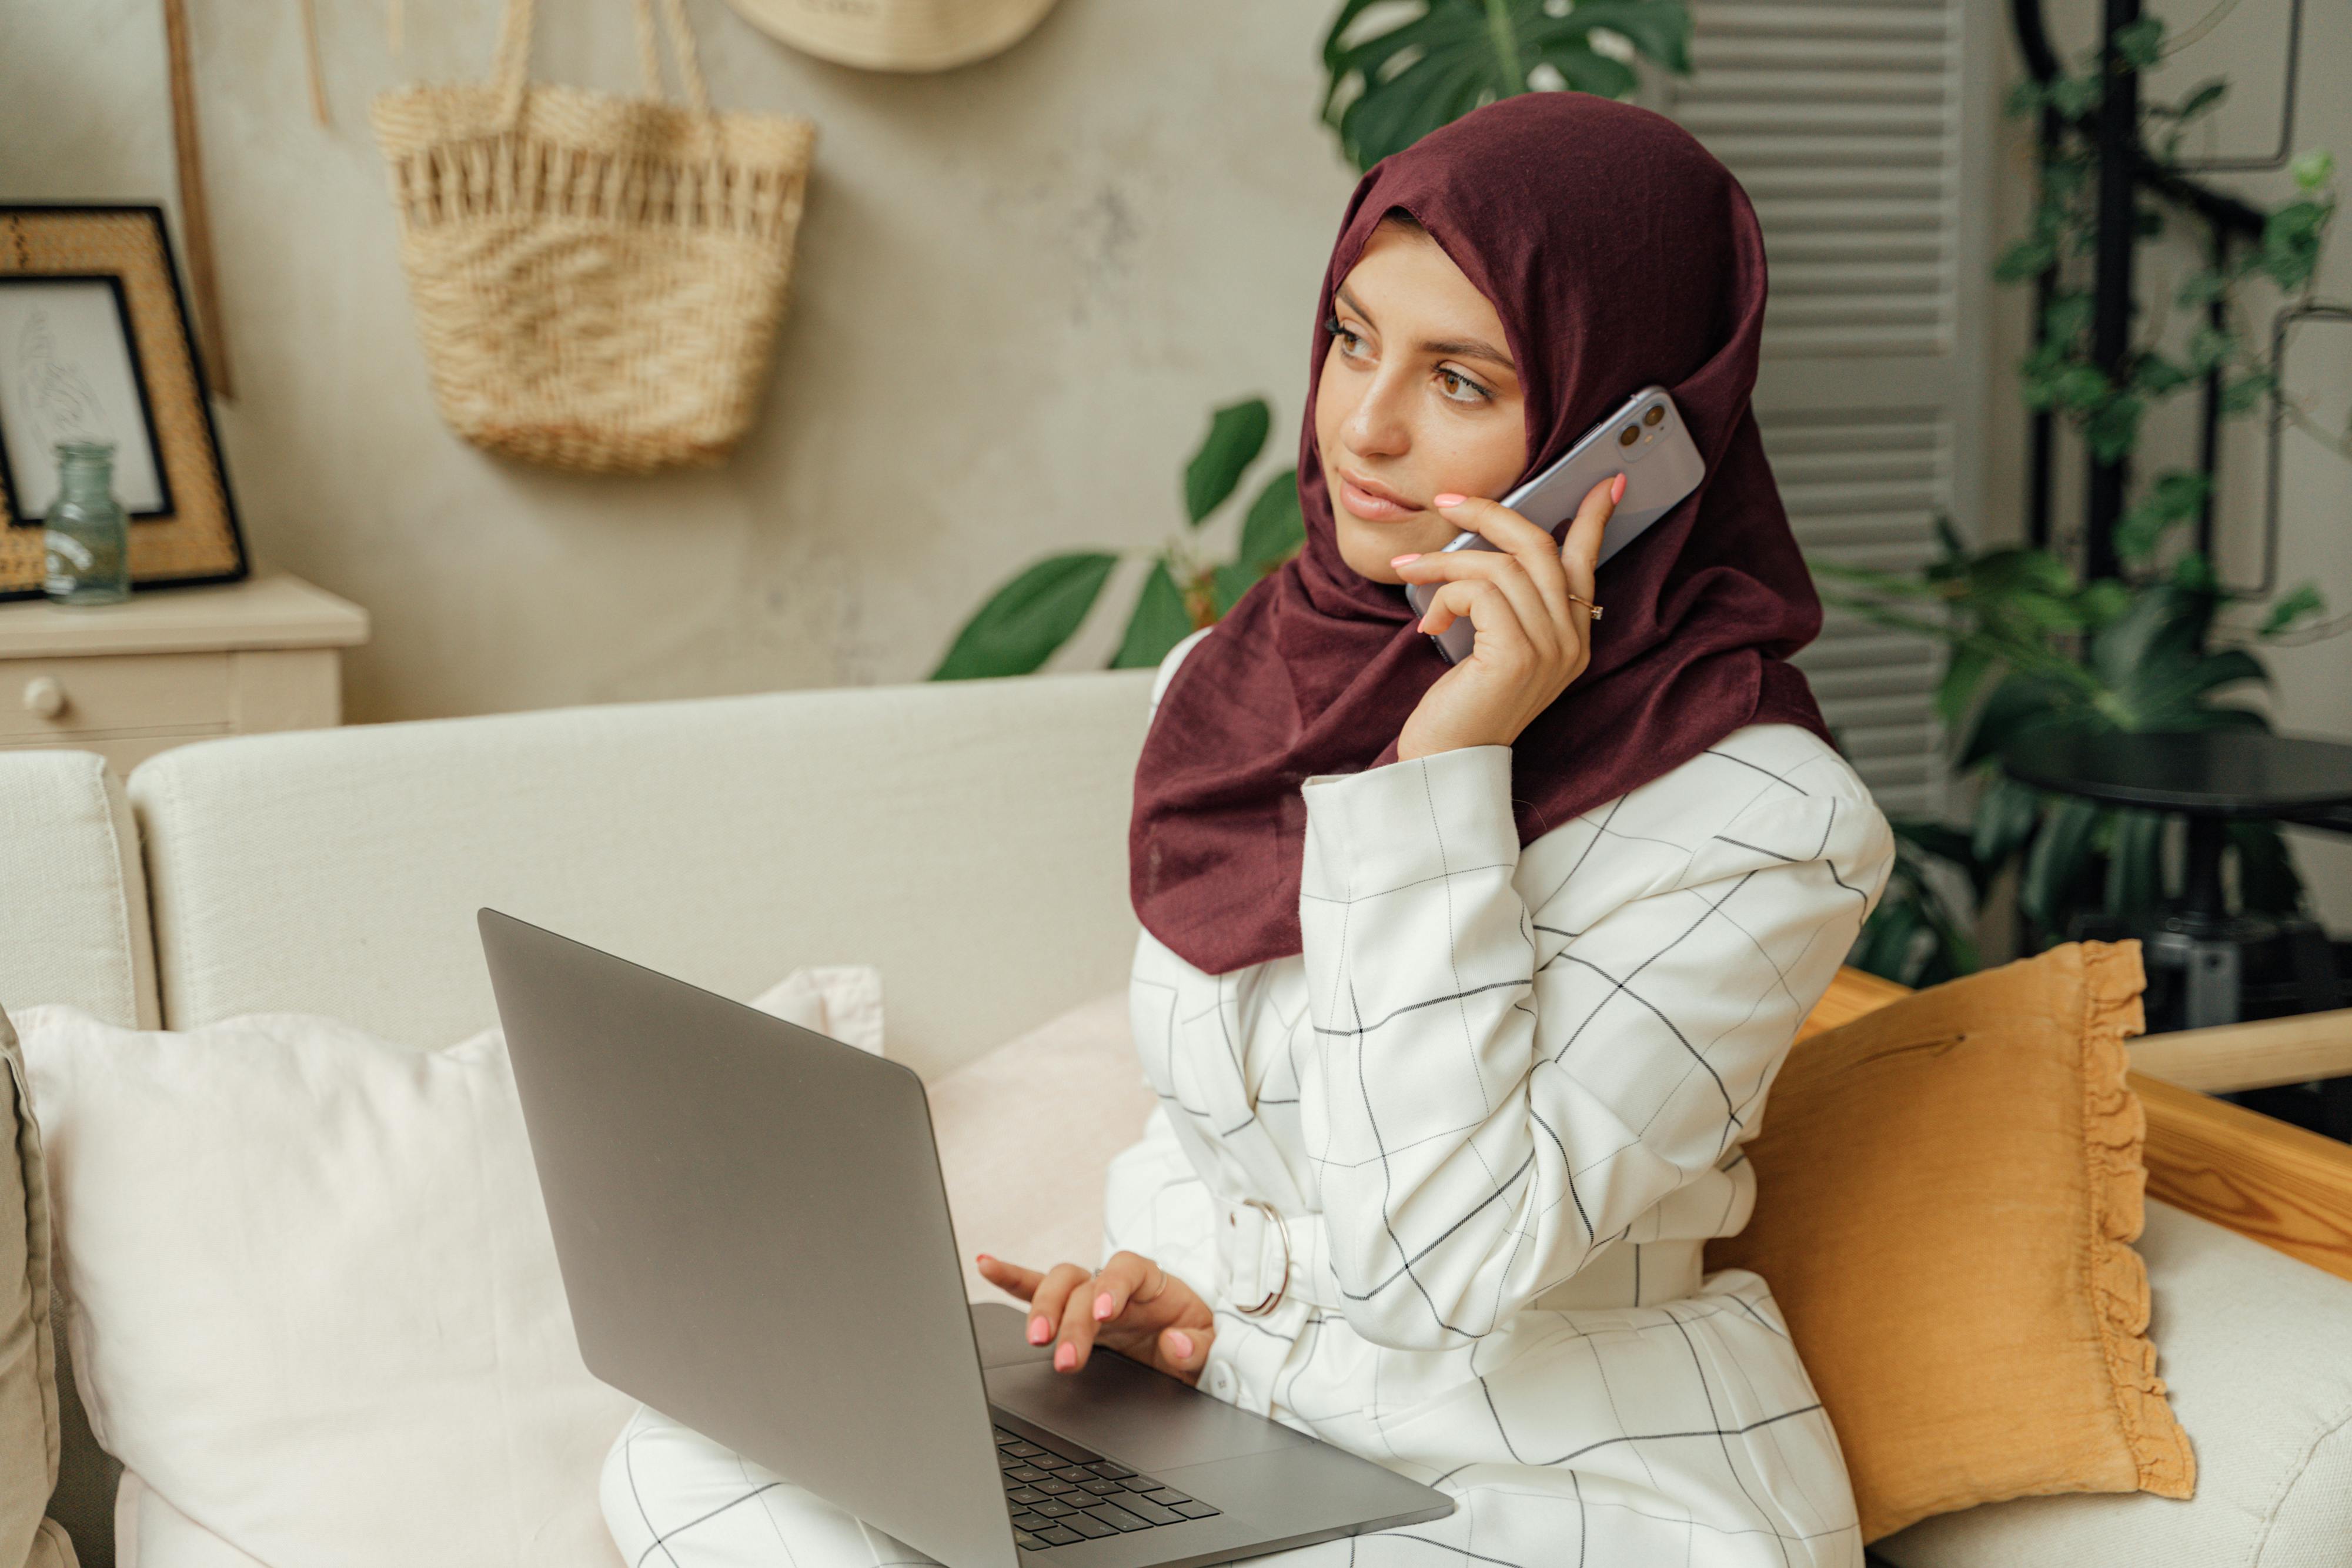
point(1572, 599)
point(1275, 1300)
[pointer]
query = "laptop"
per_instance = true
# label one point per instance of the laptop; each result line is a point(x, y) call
point(754, 1240)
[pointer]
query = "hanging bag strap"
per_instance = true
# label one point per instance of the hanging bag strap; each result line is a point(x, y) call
point(511, 70)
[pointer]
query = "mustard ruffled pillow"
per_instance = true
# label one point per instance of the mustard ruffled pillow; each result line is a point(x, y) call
point(1948, 1191)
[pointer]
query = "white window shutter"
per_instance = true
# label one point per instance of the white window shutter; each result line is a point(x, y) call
point(1862, 132)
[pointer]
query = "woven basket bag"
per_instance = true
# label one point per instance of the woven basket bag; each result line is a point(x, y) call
point(598, 279)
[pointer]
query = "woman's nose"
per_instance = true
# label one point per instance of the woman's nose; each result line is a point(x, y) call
point(1377, 427)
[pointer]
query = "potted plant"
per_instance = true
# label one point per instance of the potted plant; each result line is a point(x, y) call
point(2157, 644)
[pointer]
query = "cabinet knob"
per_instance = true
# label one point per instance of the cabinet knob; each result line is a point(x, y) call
point(44, 696)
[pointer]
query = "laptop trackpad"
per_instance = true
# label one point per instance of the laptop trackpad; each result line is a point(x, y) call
point(1143, 1417)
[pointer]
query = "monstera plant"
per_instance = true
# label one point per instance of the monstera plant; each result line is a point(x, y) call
point(1188, 587)
point(1398, 70)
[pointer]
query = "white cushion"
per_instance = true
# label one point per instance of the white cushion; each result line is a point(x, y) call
point(1027, 1132)
point(319, 1314)
point(968, 837)
point(2253, 1348)
point(73, 903)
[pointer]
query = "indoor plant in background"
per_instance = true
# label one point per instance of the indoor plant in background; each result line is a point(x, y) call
point(2035, 644)
point(1396, 71)
point(1022, 622)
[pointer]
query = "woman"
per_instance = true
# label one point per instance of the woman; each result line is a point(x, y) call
point(1463, 987)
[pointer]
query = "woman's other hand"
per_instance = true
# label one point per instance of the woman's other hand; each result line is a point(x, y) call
point(1131, 1304)
point(1532, 637)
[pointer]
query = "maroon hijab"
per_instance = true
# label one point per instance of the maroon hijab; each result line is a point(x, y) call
point(1618, 252)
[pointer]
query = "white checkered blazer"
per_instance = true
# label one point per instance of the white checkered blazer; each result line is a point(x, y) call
point(1498, 1104)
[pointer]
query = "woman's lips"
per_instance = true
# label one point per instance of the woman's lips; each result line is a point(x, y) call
point(1373, 503)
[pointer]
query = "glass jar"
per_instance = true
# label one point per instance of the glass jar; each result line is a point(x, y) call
point(86, 536)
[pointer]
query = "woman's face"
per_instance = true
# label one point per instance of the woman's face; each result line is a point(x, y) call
point(1418, 398)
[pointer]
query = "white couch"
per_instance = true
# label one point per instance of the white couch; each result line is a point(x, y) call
point(970, 840)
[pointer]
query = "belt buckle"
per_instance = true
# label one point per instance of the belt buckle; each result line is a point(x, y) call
point(1274, 1298)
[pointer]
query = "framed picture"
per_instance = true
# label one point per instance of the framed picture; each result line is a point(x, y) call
point(95, 345)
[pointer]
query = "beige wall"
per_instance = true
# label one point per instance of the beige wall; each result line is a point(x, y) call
point(2312, 693)
point(1022, 285)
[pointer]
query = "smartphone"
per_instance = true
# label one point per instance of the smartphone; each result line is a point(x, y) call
point(1645, 439)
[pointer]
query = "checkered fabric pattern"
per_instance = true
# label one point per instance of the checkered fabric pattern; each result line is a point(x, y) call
point(1498, 1105)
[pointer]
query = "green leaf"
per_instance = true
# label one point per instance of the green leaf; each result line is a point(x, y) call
point(1236, 435)
point(1275, 528)
point(2074, 96)
point(2206, 96)
point(1159, 623)
point(2069, 316)
point(2158, 634)
point(2173, 498)
point(2267, 882)
point(2059, 853)
point(2201, 288)
point(1019, 628)
point(1229, 582)
point(2240, 395)
point(1659, 30)
point(1394, 78)
point(1969, 664)
point(2140, 44)
point(1888, 938)
point(2101, 602)
point(2006, 815)
point(1948, 538)
point(2290, 240)
point(2157, 375)
point(1940, 840)
point(2025, 97)
point(2020, 706)
point(2080, 387)
point(2314, 169)
point(1586, 70)
point(2028, 257)
point(2303, 602)
point(2210, 347)
point(2136, 864)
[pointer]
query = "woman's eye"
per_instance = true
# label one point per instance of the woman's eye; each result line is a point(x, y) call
point(1349, 343)
point(1459, 388)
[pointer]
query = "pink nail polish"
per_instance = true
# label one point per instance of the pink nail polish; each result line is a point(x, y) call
point(1617, 490)
point(1448, 499)
point(1102, 1306)
point(1065, 1358)
point(1401, 560)
point(1040, 1330)
point(1180, 1343)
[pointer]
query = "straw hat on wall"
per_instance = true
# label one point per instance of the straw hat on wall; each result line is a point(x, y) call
point(896, 35)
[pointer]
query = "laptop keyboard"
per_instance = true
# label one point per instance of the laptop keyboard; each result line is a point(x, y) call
point(1061, 1495)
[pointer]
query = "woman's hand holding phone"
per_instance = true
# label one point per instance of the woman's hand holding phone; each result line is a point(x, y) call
point(1532, 636)
point(1131, 1304)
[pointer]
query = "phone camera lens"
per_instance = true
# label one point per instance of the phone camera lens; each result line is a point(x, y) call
point(1631, 433)
point(1657, 412)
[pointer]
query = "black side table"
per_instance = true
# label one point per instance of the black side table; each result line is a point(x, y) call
point(2209, 776)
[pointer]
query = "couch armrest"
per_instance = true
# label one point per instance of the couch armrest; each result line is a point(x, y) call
point(2275, 1184)
point(2251, 1055)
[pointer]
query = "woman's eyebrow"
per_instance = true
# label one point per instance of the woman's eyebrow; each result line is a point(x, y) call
point(1467, 347)
point(1470, 349)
